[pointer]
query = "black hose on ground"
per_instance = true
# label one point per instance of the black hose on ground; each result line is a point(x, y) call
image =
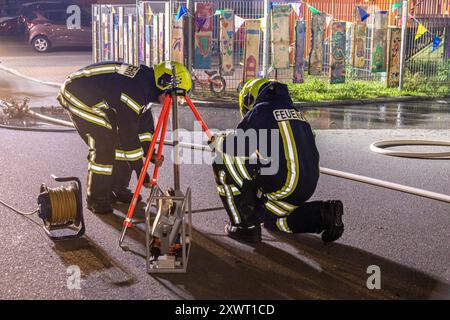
point(36, 129)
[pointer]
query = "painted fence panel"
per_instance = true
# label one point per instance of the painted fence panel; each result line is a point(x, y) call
point(280, 36)
point(252, 42)
point(177, 40)
point(203, 35)
point(337, 52)
point(227, 42)
point(317, 38)
point(395, 40)
point(359, 41)
point(300, 29)
point(379, 42)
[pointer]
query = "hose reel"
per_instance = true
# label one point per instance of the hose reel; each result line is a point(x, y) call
point(61, 209)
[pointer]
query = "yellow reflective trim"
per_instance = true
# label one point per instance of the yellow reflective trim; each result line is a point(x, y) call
point(230, 199)
point(89, 117)
point(290, 152)
point(131, 155)
point(100, 169)
point(275, 209)
point(282, 225)
point(95, 70)
point(146, 136)
point(131, 103)
point(80, 105)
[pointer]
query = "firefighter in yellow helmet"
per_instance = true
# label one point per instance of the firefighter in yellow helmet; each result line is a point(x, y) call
point(109, 104)
point(269, 167)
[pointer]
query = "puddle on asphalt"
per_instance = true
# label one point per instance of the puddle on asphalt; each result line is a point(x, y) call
point(408, 115)
point(419, 115)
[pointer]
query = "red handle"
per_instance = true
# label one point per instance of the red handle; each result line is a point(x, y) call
point(198, 117)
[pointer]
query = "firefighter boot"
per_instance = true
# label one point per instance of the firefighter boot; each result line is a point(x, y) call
point(245, 234)
point(123, 195)
point(332, 212)
point(99, 205)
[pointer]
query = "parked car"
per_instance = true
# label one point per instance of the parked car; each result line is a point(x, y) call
point(9, 26)
point(15, 22)
point(48, 29)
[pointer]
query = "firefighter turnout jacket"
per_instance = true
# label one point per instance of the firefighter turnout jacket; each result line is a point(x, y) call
point(108, 103)
point(295, 157)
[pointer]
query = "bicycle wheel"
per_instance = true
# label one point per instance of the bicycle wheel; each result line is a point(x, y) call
point(217, 84)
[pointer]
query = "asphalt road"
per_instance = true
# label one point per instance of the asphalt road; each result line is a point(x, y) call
point(406, 236)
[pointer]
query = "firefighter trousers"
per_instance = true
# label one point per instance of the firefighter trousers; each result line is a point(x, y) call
point(287, 215)
point(98, 129)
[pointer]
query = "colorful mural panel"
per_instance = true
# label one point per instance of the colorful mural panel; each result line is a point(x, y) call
point(252, 42)
point(318, 21)
point(379, 42)
point(395, 41)
point(203, 35)
point(337, 52)
point(280, 36)
point(227, 42)
point(359, 41)
point(300, 31)
point(177, 41)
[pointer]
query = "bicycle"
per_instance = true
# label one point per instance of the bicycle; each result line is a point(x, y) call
point(214, 81)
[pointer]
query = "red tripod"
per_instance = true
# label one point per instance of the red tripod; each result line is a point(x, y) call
point(160, 132)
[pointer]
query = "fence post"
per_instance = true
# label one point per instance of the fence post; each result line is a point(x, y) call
point(168, 30)
point(190, 47)
point(403, 46)
point(266, 40)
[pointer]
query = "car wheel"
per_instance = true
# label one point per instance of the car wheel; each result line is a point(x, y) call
point(41, 44)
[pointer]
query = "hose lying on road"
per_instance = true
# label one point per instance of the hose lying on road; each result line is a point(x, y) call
point(17, 73)
point(36, 129)
point(50, 119)
point(378, 146)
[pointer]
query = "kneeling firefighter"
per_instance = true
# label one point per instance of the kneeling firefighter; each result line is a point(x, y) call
point(269, 180)
point(109, 104)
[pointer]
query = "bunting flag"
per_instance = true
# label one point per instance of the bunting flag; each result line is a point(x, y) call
point(297, 8)
point(436, 42)
point(421, 30)
point(396, 5)
point(328, 20)
point(238, 22)
point(363, 13)
point(182, 10)
point(312, 9)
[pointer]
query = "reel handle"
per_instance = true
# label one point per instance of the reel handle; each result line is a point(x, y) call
point(67, 179)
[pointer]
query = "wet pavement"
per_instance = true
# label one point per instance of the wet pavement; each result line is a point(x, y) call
point(405, 115)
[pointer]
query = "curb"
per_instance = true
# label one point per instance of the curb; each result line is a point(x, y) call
point(312, 104)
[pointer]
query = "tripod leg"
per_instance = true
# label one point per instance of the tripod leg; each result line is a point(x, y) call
point(160, 147)
point(127, 222)
point(198, 117)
